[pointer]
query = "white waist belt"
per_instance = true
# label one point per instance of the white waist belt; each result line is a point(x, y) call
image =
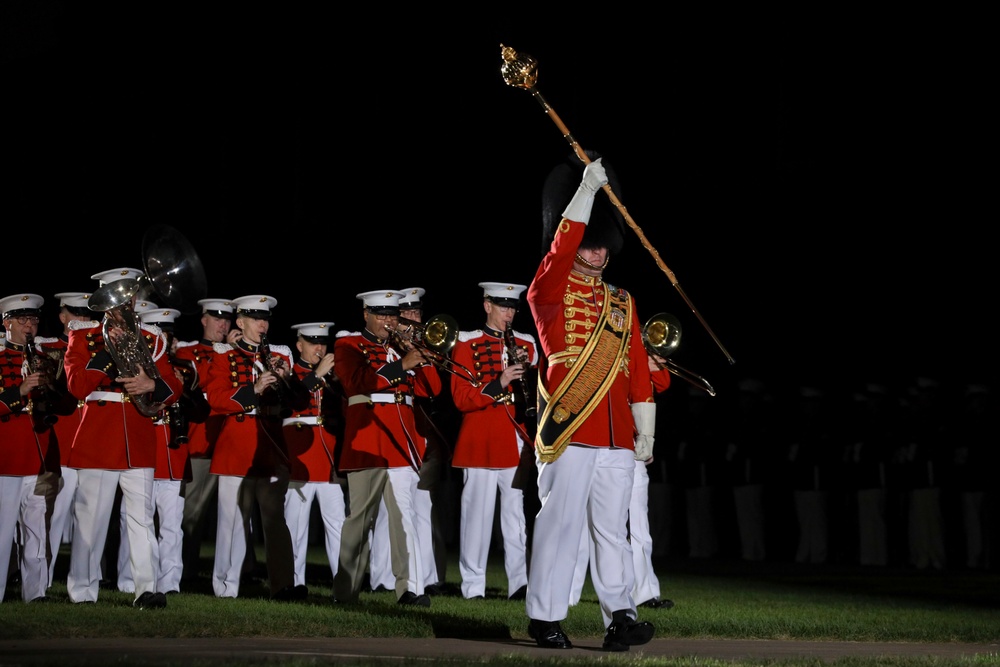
point(378, 398)
point(108, 396)
point(291, 421)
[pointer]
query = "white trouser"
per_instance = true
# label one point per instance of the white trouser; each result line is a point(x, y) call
point(169, 508)
point(298, 509)
point(479, 499)
point(585, 486)
point(379, 552)
point(92, 510)
point(402, 485)
point(199, 496)
point(25, 504)
point(647, 585)
point(61, 523)
point(424, 507)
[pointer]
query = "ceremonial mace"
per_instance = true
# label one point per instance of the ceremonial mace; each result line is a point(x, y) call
point(520, 71)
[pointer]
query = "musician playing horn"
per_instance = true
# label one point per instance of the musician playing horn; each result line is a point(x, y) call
point(596, 410)
point(29, 465)
point(115, 445)
point(490, 440)
point(382, 448)
point(251, 457)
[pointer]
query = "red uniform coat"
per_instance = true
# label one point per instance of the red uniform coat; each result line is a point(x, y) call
point(201, 435)
point(311, 434)
point(171, 462)
point(113, 435)
point(661, 380)
point(251, 442)
point(487, 437)
point(379, 435)
point(23, 450)
point(565, 306)
point(69, 409)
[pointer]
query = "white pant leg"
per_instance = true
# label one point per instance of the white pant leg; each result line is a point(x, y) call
point(230, 539)
point(333, 511)
point(580, 566)
point(647, 586)
point(611, 568)
point(61, 523)
point(379, 553)
point(478, 505)
point(563, 489)
point(10, 502)
point(144, 551)
point(95, 497)
point(170, 509)
point(403, 483)
point(298, 506)
point(423, 507)
point(514, 530)
point(125, 582)
point(38, 493)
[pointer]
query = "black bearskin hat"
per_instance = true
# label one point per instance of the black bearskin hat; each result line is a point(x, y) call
point(607, 225)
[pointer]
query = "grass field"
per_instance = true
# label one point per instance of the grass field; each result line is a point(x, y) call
point(714, 599)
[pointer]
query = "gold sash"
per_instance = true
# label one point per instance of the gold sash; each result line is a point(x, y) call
point(589, 379)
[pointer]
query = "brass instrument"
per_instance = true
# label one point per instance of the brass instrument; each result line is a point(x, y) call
point(39, 363)
point(520, 70)
point(173, 272)
point(662, 335)
point(530, 403)
point(437, 338)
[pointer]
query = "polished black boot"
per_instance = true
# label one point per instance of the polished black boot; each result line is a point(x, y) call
point(625, 632)
point(548, 634)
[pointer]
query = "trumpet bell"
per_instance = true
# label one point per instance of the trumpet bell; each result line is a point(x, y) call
point(662, 334)
point(441, 333)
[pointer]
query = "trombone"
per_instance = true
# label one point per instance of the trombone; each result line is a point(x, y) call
point(437, 338)
point(662, 335)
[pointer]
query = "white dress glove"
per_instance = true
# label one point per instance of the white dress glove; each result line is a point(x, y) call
point(582, 203)
point(644, 415)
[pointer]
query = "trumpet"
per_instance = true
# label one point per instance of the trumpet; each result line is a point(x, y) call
point(437, 338)
point(662, 335)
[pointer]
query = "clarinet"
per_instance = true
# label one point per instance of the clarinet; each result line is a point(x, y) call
point(530, 407)
point(40, 410)
point(280, 387)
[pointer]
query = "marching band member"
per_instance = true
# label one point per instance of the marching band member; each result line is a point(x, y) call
point(115, 445)
point(200, 491)
point(311, 435)
point(596, 411)
point(382, 450)
point(250, 382)
point(72, 308)
point(490, 440)
point(29, 467)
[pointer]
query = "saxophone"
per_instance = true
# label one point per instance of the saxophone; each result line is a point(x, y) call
point(530, 404)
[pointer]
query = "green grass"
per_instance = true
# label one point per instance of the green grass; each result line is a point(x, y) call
point(714, 599)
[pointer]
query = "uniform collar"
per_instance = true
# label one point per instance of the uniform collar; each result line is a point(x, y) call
point(492, 332)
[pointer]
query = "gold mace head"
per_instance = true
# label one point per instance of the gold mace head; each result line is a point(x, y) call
point(518, 69)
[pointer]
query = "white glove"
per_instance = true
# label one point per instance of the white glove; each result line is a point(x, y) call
point(644, 415)
point(582, 203)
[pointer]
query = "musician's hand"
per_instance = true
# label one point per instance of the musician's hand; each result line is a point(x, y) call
point(30, 382)
point(415, 357)
point(325, 365)
point(264, 381)
point(656, 363)
point(139, 384)
point(279, 366)
point(511, 373)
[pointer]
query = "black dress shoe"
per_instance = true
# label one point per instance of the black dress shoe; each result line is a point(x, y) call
point(520, 594)
point(548, 634)
point(410, 598)
point(658, 603)
point(150, 600)
point(433, 589)
point(624, 633)
point(291, 593)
